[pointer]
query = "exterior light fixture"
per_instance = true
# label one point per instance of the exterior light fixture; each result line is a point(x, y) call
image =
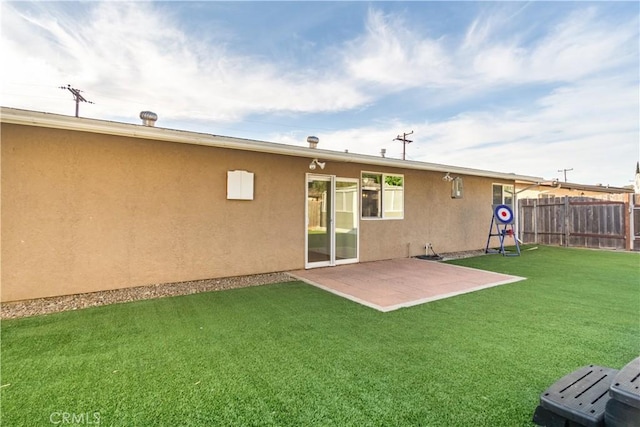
point(315, 162)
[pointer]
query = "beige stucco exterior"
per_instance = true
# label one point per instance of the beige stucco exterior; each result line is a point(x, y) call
point(84, 211)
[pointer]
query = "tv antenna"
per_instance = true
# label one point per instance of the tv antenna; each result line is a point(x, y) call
point(76, 96)
point(405, 141)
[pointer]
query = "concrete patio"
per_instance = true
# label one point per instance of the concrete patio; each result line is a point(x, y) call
point(392, 284)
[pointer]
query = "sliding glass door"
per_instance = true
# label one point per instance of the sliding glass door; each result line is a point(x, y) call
point(332, 220)
point(346, 220)
point(319, 195)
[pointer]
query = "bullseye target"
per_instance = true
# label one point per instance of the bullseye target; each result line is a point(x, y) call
point(504, 214)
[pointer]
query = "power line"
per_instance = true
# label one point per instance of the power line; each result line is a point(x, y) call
point(405, 141)
point(76, 96)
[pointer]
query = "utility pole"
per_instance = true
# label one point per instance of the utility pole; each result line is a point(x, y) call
point(76, 96)
point(405, 141)
point(565, 173)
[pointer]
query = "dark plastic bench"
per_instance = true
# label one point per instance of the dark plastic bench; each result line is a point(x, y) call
point(593, 396)
point(577, 399)
point(623, 409)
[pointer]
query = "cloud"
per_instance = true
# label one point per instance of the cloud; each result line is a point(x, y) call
point(495, 51)
point(580, 45)
point(589, 125)
point(583, 45)
point(393, 56)
point(135, 52)
point(130, 52)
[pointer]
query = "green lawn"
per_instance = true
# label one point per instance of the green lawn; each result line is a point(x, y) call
point(291, 354)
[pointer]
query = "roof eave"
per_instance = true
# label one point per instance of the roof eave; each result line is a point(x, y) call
point(56, 121)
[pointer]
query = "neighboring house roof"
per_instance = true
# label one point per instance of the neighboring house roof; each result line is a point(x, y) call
point(583, 187)
point(56, 121)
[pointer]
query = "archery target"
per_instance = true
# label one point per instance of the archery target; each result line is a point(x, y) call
point(504, 214)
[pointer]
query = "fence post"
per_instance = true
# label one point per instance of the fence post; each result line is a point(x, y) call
point(565, 223)
point(627, 216)
point(534, 219)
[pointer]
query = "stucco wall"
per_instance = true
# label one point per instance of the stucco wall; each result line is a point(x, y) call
point(83, 212)
point(431, 216)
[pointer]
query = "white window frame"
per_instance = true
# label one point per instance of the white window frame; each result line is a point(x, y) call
point(505, 193)
point(382, 210)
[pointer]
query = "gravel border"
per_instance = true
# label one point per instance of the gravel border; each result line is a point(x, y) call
point(465, 254)
point(37, 307)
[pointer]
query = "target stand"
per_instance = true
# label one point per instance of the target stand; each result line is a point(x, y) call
point(502, 227)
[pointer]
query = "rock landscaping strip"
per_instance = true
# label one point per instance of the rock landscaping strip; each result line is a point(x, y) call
point(465, 254)
point(36, 307)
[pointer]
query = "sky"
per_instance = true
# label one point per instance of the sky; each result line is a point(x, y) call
point(531, 88)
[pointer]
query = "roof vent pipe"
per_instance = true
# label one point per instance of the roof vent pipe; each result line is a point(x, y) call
point(313, 141)
point(148, 118)
point(383, 152)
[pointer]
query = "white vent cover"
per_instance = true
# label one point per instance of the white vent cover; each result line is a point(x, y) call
point(239, 185)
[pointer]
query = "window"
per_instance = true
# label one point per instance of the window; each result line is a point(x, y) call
point(382, 196)
point(502, 194)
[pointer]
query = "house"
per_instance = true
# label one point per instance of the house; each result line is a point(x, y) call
point(91, 205)
point(559, 189)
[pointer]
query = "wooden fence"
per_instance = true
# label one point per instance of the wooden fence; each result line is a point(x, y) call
point(574, 221)
point(317, 217)
point(635, 223)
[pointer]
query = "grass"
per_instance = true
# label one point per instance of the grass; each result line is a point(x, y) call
point(291, 354)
